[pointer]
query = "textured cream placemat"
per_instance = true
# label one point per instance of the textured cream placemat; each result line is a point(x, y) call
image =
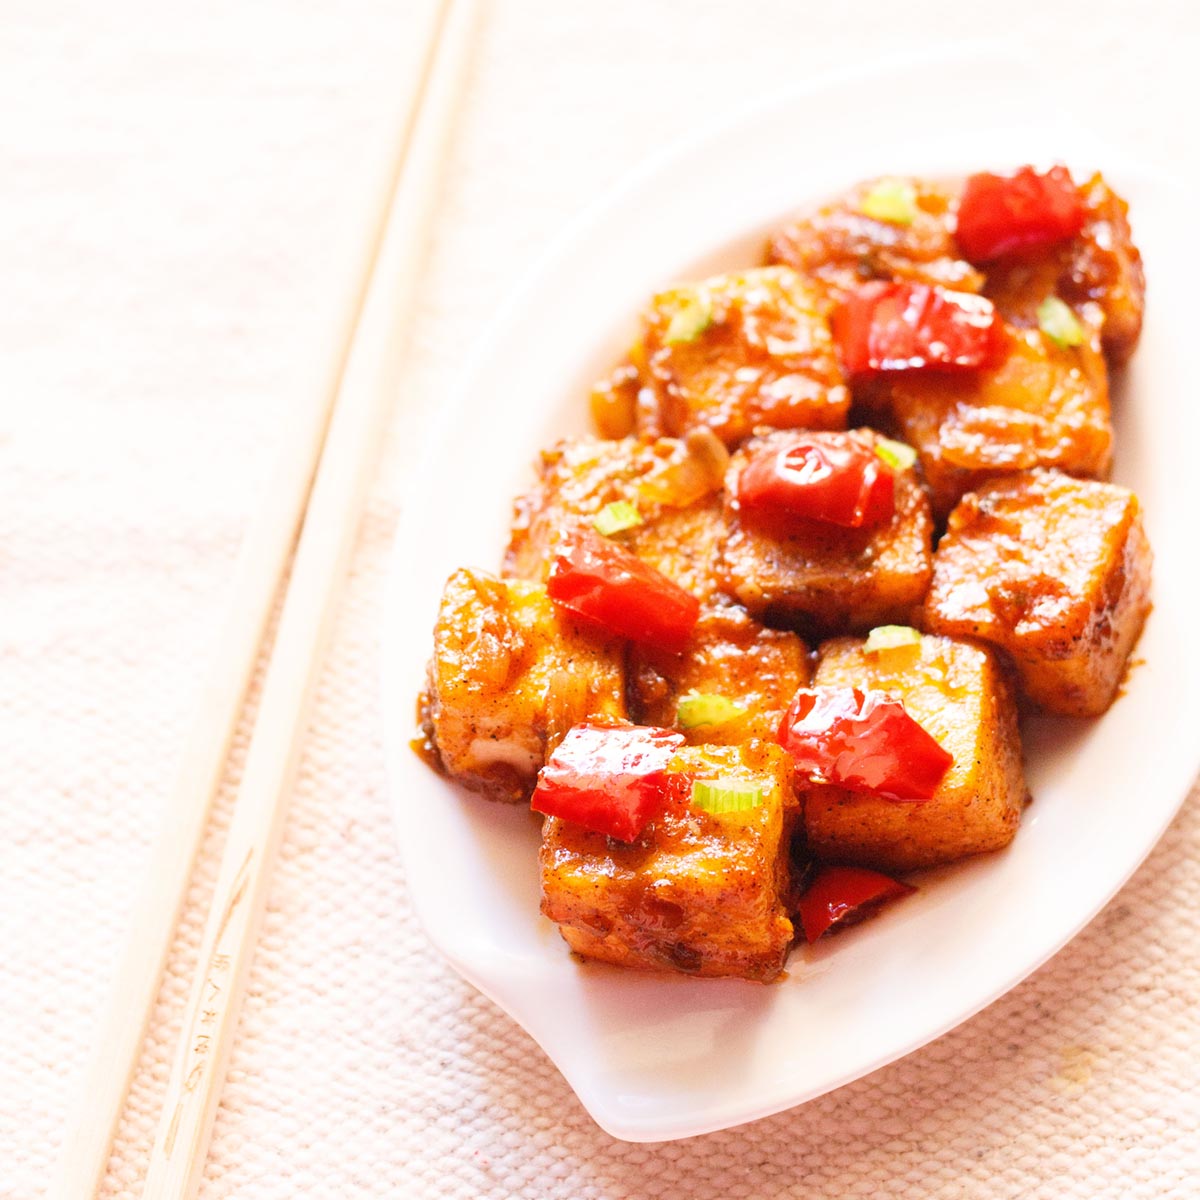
point(172, 187)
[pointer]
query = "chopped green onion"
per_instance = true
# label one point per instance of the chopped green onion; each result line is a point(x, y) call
point(703, 708)
point(891, 637)
point(693, 316)
point(1059, 323)
point(893, 200)
point(898, 455)
point(615, 517)
point(726, 797)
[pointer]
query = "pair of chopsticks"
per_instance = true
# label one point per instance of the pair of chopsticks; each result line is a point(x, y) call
point(317, 493)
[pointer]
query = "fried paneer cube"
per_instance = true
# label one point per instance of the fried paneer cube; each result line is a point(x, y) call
point(731, 656)
point(672, 483)
point(822, 578)
point(698, 892)
point(1043, 406)
point(841, 246)
point(1056, 572)
point(958, 692)
point(1100, 268)
point(735, 352)
point(510, 674)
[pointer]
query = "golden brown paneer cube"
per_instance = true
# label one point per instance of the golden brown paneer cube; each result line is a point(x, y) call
point(698, 892)
point(510, 674)
point(1101, 268)
point(958, 692)
point(730, 657)
point(735, 352)
point(672, 484)
point(842, 246)
point(1043, 406)
point(823, 578)
point(1056, 572)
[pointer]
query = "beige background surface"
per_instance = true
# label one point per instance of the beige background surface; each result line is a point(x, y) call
point(174, 191)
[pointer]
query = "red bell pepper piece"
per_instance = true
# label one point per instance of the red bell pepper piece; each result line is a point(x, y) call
point(888, 327)
point(611, 779)
point(839, 483)
point(1015, 214)
point(862, 740)
point(837, 892)
point(602, 582)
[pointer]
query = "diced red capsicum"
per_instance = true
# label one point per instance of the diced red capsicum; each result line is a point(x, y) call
point(602, 582)
point(887, 327)
point(611, 779)
point(839, 483)
point(1015, 214)
point(836, 893)
point(862, 740)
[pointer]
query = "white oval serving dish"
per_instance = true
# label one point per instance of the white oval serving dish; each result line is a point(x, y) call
point(655, 1057)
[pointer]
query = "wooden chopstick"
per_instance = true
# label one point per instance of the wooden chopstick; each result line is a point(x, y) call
point(327, 539)
point(264, 555)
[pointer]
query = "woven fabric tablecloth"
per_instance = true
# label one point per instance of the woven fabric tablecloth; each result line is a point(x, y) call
point(172, 184)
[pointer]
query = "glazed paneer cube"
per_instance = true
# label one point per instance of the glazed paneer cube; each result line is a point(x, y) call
point(823, 578)
point(958, 692)
point(1043, 406)
point(509, 676)
point(698, 892)
point(674, 485)
point(841, 246)
point(1101, 268)
point(1056, 572)
point(731, 656)
point(735, 352)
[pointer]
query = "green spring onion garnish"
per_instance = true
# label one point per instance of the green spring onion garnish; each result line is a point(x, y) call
point(693, 316)
point(703, 708)
point(1059, 323)
point(726, 797)
point(891, 637)
point(898, 455)
point(614, 517)
point(891, 200)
